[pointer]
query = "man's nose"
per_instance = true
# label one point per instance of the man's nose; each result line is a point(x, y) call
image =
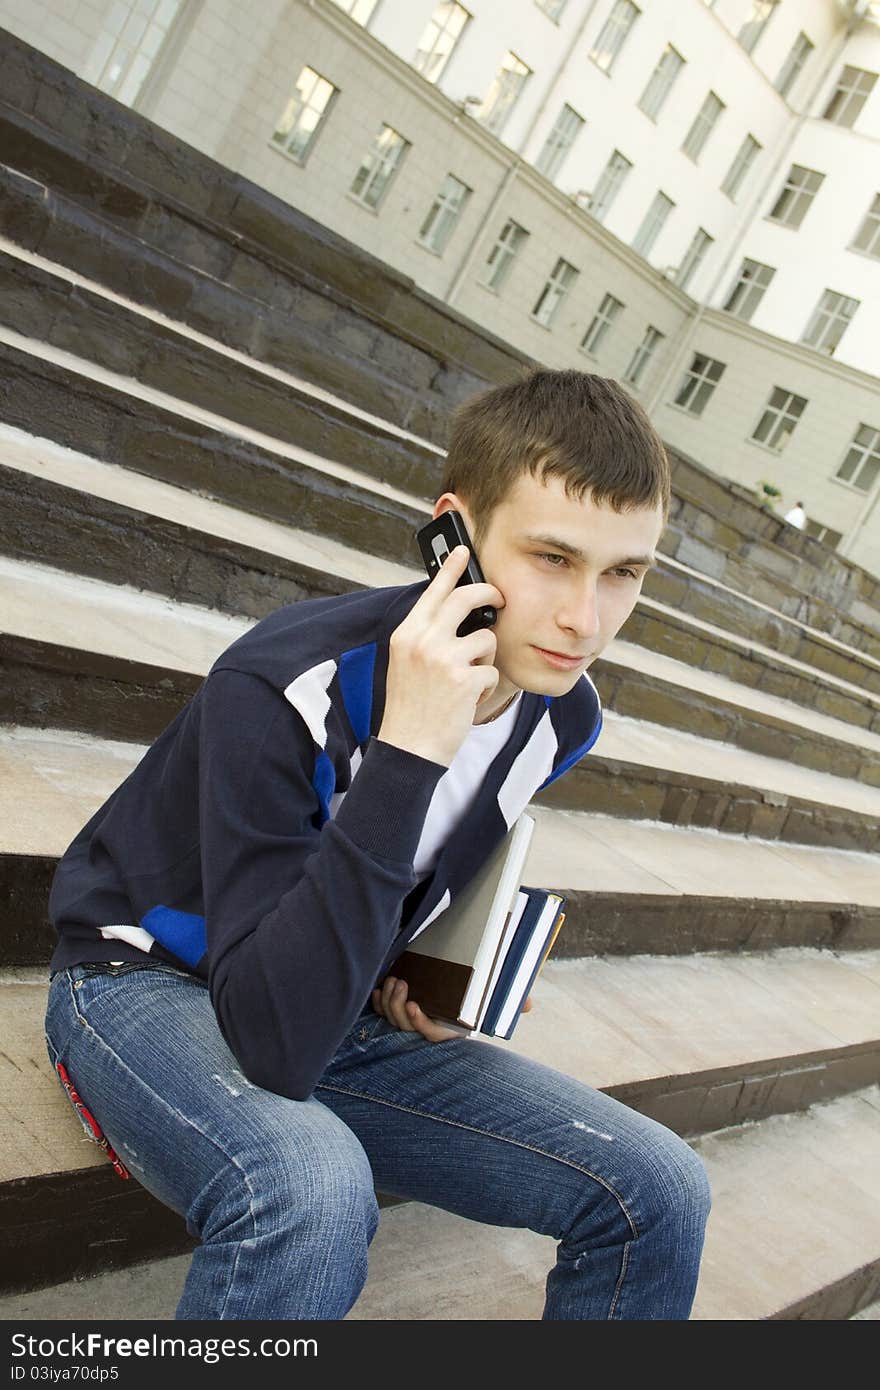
point(581, 614)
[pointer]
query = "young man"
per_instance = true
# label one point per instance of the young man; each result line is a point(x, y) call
point(223, 995)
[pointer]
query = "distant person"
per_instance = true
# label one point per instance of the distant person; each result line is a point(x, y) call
point(223, 996)
point(797, 516)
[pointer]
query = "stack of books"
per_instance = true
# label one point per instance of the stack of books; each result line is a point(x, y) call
point(474, 965)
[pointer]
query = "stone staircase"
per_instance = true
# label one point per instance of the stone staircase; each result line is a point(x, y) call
point(211, 406)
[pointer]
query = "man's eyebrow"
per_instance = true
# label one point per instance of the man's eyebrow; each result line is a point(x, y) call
point(554, 543)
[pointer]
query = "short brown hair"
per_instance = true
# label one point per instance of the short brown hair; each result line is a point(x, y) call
point(567, 424)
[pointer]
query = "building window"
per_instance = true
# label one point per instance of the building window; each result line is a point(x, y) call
point(794, 64)
point(378, 167)
point(742, 163)
point(502, 95)
point(305, 113)
point(829, 321)
point(652, 224)
point(440, 37)
point(748, 289)
point(614, 33)
point(642, 355)
point(513, 237)
point(128, 46)
point(603, 318)
point(781, 414)
point(660, 82)
point(755, 24)
point(798, 192)
point(693, 257)
point(444, 212)
point(553, 293)
point(558, 143)
point(360, 10)
point(702, 127)
point(698, 383)
point(553, 8)
point(608, 185)
point(854, 86)
point(862, 462)
point(868, 235)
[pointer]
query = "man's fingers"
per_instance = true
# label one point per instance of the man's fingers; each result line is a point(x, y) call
point(434, 1032)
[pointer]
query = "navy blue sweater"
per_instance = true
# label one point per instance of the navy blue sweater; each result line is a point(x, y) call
point(265, 841)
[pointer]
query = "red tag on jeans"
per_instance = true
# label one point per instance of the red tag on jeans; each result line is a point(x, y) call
point(98, 1134)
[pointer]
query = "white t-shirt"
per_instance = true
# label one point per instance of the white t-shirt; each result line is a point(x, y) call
point(455, 792)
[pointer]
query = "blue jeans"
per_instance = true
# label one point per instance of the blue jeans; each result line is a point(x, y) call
point(281, 1193)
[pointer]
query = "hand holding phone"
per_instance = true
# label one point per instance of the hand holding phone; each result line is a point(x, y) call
point(437, 677)
point(436, 540)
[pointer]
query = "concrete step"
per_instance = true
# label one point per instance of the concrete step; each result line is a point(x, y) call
point(636, 769)
point(72, 510)
point(43, 302)
point(631, 885)
point(800, 1024)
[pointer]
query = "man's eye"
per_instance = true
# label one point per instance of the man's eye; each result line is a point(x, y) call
point(553, 558)
point(623, 572)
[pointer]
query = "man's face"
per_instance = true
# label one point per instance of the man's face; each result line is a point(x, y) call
point(570, 572)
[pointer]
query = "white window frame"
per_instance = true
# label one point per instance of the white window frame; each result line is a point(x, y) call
point(361, 11)
point(861, 455)
point(693, 257)
point(829, 321)
point(601, 324)
point(702, 126)
point(294, 118)
point(781, 419)
point(505, 91)
point(739, 169)
point(748, 289)
point(129, 44)
point(566, 129)
point(511, 239)
point(614, 34)
point(556, 289)
point(849, 96)
point(439, 39)
point(698, 384)
point(661, 82)
point(867, 238)
point(608, 185)
point(652, 223)
point(380, 165)
point(794, 64)
point(552, 8)
point(643, 354)
point(443, 214)
point(753, 27)
point(796, 196)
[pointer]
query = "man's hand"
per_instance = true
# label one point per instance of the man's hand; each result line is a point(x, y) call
point(391, 1002)
point(436, 679)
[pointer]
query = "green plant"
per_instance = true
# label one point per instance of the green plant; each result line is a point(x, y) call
point(767, 492)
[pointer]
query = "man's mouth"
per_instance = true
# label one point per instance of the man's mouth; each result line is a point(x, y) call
point(563, 661)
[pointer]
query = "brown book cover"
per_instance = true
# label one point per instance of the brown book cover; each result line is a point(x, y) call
point(448, 964)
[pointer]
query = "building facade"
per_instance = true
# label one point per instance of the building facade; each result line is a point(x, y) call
point(680, 194)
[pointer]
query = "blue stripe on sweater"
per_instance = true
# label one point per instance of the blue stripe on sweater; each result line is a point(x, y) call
point(574, 757)
point(356, 683)
point(182, 933)
point(324, 782)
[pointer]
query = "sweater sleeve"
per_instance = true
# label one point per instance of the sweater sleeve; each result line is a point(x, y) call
point(298, 919)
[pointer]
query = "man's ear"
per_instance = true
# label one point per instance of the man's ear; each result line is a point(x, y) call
point(451, 502)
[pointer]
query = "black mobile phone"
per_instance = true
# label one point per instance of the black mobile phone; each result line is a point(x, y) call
point(435, 541)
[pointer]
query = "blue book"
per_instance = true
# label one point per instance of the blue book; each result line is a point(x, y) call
point(540, 916)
